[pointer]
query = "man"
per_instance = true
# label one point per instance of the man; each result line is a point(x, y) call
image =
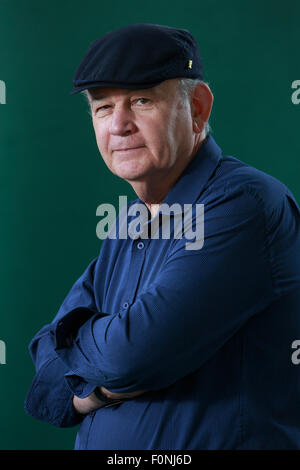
point(162, 344)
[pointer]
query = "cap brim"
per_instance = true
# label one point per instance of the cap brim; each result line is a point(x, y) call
point(127, 86)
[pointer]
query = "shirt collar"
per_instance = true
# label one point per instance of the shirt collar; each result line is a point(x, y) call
point(195, 176)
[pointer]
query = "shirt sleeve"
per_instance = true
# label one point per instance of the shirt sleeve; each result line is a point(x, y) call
point(50, 397)
point(198, 301)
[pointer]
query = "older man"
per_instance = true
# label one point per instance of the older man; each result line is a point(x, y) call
point(160, 345)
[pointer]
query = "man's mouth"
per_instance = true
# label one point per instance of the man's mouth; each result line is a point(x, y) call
point(126, 149)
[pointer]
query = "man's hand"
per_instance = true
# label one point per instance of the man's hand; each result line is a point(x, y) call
point(119, 396)
point(92, 402)
point(86, 405)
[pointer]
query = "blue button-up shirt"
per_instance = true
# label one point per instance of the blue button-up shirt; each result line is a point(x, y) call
point(208, 332)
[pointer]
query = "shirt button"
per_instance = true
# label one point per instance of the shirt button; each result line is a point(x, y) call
point(125, 304)
point(140, 245)
point(69, 341)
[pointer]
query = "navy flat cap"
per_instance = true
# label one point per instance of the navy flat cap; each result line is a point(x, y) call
point(139, 56)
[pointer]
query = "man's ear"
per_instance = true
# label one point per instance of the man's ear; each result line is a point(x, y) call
point(201, 101)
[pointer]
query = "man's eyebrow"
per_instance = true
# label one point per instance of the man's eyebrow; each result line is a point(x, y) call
point(97, 98)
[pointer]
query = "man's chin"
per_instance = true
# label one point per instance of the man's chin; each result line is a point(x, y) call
point(133, 178)
point(130, 174)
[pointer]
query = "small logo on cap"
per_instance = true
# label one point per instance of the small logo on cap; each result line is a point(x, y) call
point(190, 64)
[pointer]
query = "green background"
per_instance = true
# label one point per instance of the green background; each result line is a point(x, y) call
point(52, 178)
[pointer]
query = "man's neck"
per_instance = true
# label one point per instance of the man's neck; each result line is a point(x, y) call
point(152, 193)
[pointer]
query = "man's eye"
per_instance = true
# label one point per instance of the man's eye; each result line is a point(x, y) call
point(102, 108)
point(142, 101)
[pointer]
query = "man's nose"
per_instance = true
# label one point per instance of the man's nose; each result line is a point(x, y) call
point(122, 122)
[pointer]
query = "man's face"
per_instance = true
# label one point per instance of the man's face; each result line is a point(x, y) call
point(141, 133)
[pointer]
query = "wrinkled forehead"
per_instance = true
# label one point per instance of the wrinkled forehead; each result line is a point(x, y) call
point(165, 88)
